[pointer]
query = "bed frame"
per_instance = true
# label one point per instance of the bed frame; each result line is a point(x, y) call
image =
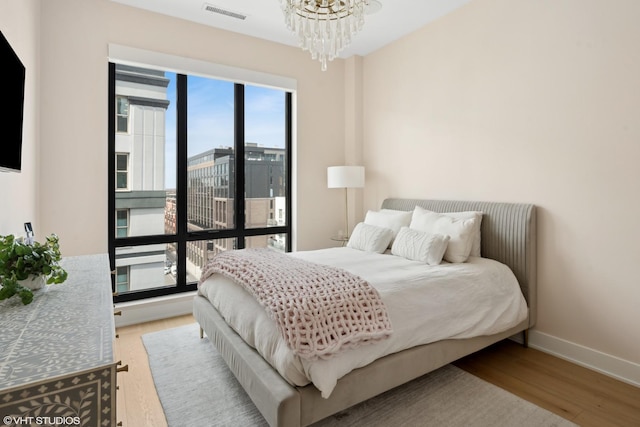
point(508, 236)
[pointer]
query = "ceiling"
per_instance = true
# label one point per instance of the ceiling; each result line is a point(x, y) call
point(264, 20)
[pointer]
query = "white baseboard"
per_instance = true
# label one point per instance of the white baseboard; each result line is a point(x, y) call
point(620, 369)
point(176, 305)
point(149, 309)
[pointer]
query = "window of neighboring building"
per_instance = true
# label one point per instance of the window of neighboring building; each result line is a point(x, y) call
point(122, 223)
point(122, 171)
point(122, 114)
point(199, 164)
point(122, 279)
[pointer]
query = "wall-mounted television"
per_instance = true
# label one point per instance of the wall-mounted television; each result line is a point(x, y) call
point(13, 74)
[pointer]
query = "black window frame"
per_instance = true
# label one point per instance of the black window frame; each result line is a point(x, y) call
point(182, 236)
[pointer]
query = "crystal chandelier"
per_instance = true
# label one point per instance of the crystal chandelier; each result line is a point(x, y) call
point(324, 27)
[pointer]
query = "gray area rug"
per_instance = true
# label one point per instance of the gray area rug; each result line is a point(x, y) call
point(197, 389)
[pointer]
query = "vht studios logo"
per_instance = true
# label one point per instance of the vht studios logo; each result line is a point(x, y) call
point(70, 421)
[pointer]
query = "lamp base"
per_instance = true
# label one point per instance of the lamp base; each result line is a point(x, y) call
point(341, 239)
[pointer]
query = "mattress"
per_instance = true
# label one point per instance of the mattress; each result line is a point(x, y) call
point(425, 304)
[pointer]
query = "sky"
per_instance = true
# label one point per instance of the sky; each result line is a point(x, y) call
point(210, 118)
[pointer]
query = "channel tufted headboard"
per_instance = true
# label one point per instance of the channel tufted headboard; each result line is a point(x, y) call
point(508, 236)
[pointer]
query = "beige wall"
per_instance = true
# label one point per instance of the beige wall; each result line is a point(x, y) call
point(75, 36)
point(19, 23)
point(527, 101)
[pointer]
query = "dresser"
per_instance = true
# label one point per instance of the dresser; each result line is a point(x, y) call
point(57, 363)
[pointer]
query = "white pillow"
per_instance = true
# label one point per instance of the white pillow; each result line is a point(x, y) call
point(476, 244)
point(420, 246)
point(459, 230)
point(370, 238)
point(389, 218)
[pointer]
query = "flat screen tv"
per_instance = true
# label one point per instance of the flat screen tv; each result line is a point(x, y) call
point(13, 73)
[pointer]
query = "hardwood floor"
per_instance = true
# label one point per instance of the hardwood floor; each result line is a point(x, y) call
point(137, 403)
point(581, 395)
point(578, 394)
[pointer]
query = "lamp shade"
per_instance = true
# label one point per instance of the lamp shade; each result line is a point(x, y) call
point(345, 176)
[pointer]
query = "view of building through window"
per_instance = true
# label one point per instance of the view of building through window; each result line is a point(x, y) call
point(148, 230)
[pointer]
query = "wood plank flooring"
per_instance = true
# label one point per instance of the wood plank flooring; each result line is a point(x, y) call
point(137, 401)
point(581, 395)
point(578, 394)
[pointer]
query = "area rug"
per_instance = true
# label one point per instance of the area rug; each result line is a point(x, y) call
point(197, 389)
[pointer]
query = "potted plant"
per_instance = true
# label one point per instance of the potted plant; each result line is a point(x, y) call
point(22, 265)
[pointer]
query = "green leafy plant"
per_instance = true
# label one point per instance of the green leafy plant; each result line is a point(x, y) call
point(19, 261)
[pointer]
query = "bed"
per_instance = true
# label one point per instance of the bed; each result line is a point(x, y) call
point(507, 235)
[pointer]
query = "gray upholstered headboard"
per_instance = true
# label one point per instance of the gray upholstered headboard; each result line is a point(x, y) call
point(508, 236)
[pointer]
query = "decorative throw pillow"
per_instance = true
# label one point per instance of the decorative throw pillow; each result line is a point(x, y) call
point(389, 218)
point(459, 230)
point(370, 238)
point(420, 246)
point(476, 244)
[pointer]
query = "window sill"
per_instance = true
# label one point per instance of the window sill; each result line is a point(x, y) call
point(149, 309)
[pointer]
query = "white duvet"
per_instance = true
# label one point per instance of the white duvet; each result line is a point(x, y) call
point(425, 304)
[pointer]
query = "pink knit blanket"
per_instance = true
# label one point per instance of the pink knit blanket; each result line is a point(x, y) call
point(319, 310)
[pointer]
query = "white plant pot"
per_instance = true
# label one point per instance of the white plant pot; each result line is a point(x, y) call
point(34, 282)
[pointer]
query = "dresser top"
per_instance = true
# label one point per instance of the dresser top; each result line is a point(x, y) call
point(67, 328)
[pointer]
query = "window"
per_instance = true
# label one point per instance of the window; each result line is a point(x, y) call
point(122, 171)
point(122, 114)
point(122, 223)
point(122, 279)
point(205, 163)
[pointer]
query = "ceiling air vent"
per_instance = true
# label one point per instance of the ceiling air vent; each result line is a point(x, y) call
point(215, 9)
